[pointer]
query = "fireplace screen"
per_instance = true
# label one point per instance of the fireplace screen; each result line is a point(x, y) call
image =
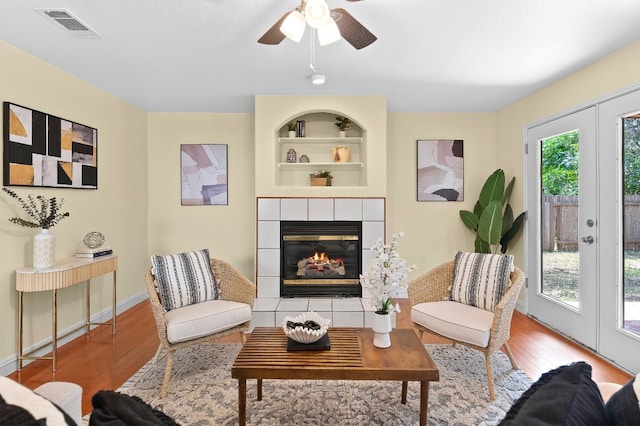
point(321, 258)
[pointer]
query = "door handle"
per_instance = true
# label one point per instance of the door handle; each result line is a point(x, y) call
point(588, 239)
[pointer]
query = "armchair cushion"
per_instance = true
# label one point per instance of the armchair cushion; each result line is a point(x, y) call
point(19, 405)
point(203, 319)
point(66, 395)
point(455, 320)
point(481, 279)
point(184, 279)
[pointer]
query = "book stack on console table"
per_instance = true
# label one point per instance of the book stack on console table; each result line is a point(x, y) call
point(91, 253)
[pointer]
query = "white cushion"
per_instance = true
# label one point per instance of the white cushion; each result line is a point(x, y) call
point(20, 404)
point(185, 278)
point(455, 320)
point(65, 395)
point(481, 279)
point(202, 319)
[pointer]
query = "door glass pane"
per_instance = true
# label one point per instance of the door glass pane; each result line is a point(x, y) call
point(631, 223)
point(560, 262)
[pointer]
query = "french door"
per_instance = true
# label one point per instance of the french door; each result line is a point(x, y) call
point(583, 232)
point(562, 225)
point(619, 148)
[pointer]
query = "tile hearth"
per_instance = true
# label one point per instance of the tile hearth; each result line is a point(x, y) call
point(343, 312)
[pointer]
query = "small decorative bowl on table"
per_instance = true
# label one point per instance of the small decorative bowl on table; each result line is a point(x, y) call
point(306, 328)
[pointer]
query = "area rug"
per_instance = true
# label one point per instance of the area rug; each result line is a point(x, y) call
point(202, 392)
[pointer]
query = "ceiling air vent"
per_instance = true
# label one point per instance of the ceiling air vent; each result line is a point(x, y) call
point(70, 23)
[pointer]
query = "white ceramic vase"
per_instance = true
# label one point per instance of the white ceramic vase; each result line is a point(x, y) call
point(292, 133)
point(44, 249)
point(381, 327)
point(342, 134)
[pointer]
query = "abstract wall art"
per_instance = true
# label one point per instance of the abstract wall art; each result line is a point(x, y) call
point(44, 150)
point(440, 170)
point(204, 174)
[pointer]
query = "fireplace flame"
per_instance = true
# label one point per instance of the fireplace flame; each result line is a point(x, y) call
point(320, 257)
point(320, 263)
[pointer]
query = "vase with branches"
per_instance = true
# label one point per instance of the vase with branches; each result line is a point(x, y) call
point(44, 213)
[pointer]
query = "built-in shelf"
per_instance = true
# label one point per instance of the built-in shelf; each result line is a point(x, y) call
point(312, 165)
point(317, 145)
point(320, 141)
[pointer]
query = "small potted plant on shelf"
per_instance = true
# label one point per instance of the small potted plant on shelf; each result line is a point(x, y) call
point(343, 124)
point(321, 178)
point(291, 127)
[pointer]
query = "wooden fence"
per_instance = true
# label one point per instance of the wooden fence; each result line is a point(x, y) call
point(560, 222)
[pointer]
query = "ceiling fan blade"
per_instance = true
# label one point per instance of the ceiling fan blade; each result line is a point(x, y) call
point(351, 30)
point(273, 34)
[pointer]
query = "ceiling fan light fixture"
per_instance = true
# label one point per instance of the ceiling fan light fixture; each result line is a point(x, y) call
point(329, 33)
point(318, 79)
point(317, 13)
point(293, 26)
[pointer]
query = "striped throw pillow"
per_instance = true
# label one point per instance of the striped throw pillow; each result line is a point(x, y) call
point(481, 279)
point(184, 279)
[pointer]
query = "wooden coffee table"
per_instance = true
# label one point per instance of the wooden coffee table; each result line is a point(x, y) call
point(352, 357)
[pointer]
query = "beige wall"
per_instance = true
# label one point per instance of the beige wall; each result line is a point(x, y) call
point(433, 230)
point(227, 231)
point(118, 208)
point(612, 74)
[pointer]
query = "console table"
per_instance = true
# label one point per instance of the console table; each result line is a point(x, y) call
point(64, 273)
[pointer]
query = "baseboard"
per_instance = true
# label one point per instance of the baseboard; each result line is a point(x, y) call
point(10, 364)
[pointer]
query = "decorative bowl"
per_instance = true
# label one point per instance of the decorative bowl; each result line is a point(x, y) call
point(93, 239)
point(303, 334)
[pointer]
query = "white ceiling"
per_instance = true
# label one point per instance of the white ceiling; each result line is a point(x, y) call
point(431, 55)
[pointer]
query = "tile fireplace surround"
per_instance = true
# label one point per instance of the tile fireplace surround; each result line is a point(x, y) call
point(269, 309)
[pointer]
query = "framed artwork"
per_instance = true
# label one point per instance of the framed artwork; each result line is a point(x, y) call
point(204, 174)
point(440, 171)
point(41, 149)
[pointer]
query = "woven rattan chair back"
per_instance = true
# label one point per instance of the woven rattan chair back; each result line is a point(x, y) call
point(435, 285)
point(233, 285)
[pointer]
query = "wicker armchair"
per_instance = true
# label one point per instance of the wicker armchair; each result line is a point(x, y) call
point(234, 287)
point(435, 286)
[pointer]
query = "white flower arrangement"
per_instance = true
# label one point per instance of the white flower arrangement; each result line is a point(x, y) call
point(388, 273)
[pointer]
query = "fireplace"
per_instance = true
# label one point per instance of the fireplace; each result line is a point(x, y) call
point(320, 258)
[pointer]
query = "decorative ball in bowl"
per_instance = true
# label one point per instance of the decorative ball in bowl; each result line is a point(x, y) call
point(306, 328)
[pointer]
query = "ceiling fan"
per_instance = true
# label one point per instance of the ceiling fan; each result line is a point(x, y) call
point(331, 25)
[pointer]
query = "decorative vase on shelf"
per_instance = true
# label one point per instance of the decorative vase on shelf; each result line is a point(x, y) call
point(44, 249)
point(292, 156)
point(342, 134)
point(381, 326)
point(292, 133)
point(340, 154)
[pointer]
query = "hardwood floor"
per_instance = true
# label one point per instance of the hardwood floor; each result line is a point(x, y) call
point(103, 361)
